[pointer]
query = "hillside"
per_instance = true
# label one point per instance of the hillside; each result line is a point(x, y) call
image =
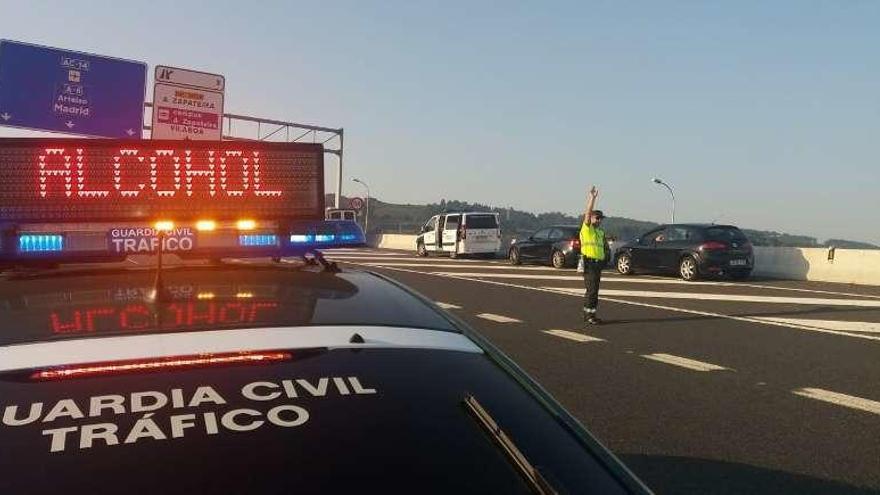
point(408, 219)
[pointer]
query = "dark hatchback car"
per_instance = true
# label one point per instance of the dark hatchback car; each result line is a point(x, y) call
point(691, 250)
point(558, 246)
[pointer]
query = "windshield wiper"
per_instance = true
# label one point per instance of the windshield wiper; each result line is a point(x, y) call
point(530, 473)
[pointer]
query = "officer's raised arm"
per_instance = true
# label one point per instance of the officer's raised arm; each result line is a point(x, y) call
point(591, 202)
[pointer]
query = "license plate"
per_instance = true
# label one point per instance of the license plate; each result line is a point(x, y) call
point(481, 237)
point(737, 262)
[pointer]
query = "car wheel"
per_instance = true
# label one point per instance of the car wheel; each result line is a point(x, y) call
point(687, 268)
point(740, 275)
point(557, 259)
point(513, 257)
point(624, 264)
point(421, 250)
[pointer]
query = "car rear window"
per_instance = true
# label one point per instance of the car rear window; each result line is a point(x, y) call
point(56, 306)
point(481, 222)
point(724, 234)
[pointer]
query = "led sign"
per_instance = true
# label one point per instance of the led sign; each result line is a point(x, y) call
point(86, 180)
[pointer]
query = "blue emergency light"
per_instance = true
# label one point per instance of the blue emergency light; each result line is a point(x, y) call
point(40, 243)
point(258, 240)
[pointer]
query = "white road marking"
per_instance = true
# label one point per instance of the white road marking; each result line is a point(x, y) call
point(691, 364)
point(577, 337)
point(647, 279)
point(403, 258)
point(454, 264)
point(523, 276)
point(839, 399)
point(572, 278)
point(447, 305)
point(867, 303)
point(498, 318)
point(643, 304)
point(844, 326)
point(364, 254)
point(767, 287)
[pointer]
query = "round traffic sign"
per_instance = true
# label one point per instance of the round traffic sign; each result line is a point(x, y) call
point(355, 203)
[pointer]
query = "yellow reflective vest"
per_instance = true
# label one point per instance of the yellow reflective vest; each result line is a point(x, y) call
point(592, 242)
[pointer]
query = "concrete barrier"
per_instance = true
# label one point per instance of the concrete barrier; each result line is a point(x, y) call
point(393, 241)
point(848, 266)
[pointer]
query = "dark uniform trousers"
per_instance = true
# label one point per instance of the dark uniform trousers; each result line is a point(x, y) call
point(592, 276)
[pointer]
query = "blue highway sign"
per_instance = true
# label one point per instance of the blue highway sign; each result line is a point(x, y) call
point(79, 93)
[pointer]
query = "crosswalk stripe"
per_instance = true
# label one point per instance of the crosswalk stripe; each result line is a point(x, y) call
point(816, 301)
point(498, 318)
point(682, 362)
point(839, 399)
point(447, 305)
point(577, 337)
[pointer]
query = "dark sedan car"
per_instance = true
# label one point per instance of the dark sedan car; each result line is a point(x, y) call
point(558, 246)
point(691, 250)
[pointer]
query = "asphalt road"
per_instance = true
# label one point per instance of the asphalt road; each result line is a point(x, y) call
point(709, 387)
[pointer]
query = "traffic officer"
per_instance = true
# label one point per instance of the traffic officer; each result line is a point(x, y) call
point(594, 250)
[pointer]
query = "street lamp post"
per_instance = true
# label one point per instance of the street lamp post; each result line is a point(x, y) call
point(655, 180)
point(367, 214)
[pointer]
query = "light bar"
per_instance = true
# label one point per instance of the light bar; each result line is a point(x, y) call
point(325, 237)
point(258, 240)
point(39, 243)
point(161, 364)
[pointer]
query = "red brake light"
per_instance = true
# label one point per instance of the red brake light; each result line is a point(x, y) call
point(713, 245)
point(159, 364)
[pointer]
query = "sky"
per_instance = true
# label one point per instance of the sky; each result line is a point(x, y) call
point(761, 114)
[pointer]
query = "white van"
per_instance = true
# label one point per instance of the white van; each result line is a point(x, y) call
point(460, 233)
